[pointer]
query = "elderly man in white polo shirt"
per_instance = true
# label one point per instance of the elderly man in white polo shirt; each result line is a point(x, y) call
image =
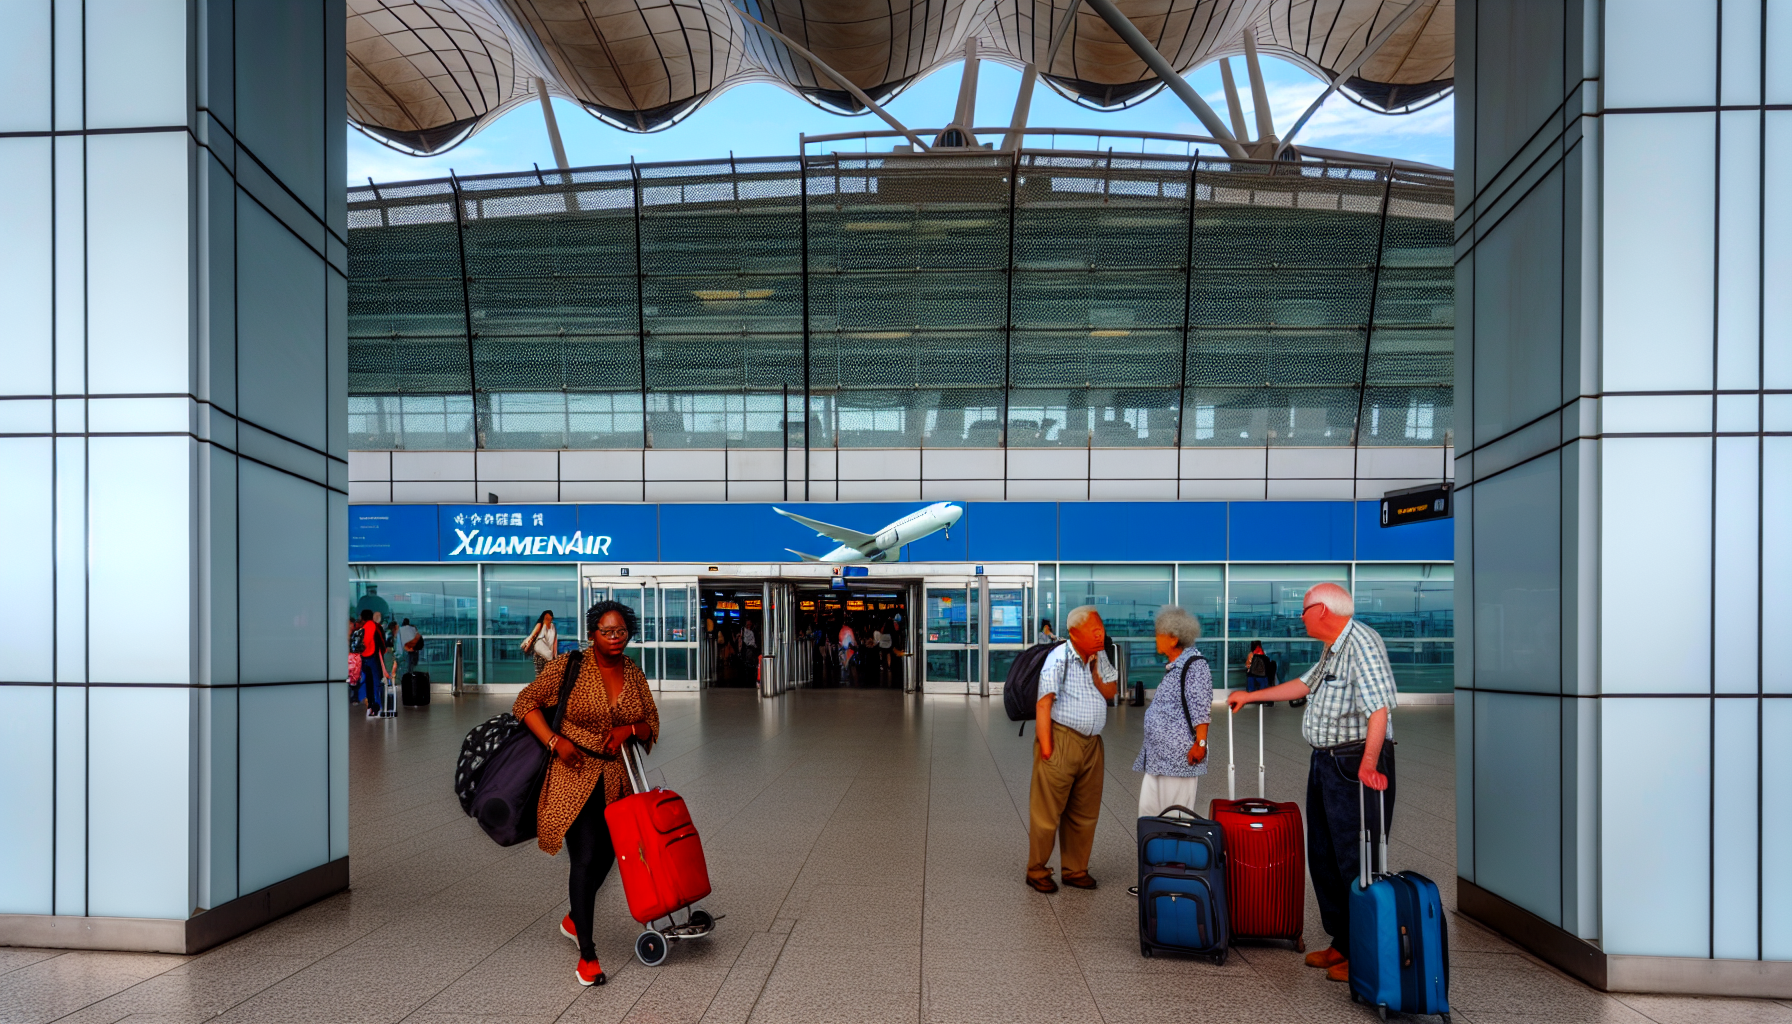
point(1075, 684)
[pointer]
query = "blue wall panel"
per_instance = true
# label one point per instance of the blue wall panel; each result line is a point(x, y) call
point(391, 533)
point(1012, 531)
point(1142, 531)
point(1290, 531)
point(1434, 541)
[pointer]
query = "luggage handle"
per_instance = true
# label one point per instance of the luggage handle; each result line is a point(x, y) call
point(634, 764)
point(1178, 807)
point(1232, 758)
point(1364, 873)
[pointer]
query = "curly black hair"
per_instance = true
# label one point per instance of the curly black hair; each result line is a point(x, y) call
point(602, 608)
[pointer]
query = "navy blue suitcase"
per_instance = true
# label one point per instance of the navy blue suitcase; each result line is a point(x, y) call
point(1399, 943)
point(1182, 886)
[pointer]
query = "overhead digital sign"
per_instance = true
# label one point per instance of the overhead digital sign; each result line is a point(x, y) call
point(1416, 505)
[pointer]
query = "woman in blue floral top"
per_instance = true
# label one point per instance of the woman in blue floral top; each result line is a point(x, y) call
point(1175, 753)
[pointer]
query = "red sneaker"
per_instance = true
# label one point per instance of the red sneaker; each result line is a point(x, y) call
point(566, 929)
point(590, 973)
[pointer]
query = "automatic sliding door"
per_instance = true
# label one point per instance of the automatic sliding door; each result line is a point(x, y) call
point(1007, 629)
point(949, 637)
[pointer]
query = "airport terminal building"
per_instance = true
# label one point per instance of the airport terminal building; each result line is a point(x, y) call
point(1142, 379)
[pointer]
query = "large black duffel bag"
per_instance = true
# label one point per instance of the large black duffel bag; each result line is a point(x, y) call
point(501, 767)
point(413, 689)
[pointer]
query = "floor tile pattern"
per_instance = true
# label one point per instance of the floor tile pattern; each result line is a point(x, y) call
point(867, 849)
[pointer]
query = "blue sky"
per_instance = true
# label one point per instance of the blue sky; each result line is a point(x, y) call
point(764, 120)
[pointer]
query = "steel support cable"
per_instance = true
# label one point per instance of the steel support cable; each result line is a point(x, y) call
point(1362, 384)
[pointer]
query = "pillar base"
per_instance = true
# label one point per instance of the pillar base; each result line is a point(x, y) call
point(196, 934)
point(1615, 972)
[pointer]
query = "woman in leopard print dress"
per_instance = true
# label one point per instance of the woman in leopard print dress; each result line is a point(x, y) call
point(609, 703)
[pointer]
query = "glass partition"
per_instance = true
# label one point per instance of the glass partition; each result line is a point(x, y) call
point(1408, 601)
point(1127, 596)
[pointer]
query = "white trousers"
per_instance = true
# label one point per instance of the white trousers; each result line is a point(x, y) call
point(1159, 792)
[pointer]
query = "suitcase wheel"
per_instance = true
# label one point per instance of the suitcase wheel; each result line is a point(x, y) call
point(1300, 945)
point(1220, 961)
point(651, 948)
point(1446, 1017)
point(1382, 1010)
point(1144, 950)
point(701, 920)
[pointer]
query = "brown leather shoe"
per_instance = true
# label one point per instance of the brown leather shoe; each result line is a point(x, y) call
point(1324, 958)
point(1339, 971)
point(1043, 884)
point(1081, 880)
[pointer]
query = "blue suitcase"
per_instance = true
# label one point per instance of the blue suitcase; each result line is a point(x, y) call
point(1182, 886)
point(1399, 944)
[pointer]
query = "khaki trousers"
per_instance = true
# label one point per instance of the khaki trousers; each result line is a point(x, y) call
point(1064, 803)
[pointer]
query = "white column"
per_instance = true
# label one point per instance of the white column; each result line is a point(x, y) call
point(172, 420)
point(1620, 340)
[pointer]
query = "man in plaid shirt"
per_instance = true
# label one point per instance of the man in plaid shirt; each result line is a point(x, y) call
point(1346, 724)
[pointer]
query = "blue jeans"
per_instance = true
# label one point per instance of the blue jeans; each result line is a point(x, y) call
point(1254, 683)
point(372, 678)
point(1332, 826)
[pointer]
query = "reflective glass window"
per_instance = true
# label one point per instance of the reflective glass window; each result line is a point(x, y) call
point(1266, 600)
point(1127, 596)
point(948, 616)
point(1201, 591)
point(516, 595)
point(1407, 600)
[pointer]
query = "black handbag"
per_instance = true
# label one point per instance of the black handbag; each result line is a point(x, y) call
point(502, 791)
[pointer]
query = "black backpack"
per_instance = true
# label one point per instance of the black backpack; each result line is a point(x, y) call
point(1259, 666)
point(1020, 692)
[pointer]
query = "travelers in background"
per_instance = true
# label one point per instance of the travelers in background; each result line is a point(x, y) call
point(610, 702)
point(543, 643)
point(374, 668)
point(410, 641)
point(1348, 726)
point(1174, 756)
point(1064, 801)
point(847, 643)
point(354, 659)
point(749, 650)
point(886, 645)
point(1257, 668)
point(1046, 636)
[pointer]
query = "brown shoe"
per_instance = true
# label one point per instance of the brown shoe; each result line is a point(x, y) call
point(1339, 971)
point(1043, 884)
point(1080, 880)
point(1324, 958)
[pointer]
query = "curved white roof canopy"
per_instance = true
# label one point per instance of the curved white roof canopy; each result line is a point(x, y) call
point(423, 75)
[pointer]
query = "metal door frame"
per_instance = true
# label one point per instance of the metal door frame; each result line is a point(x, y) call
point(591, 577)
point(1026, 585)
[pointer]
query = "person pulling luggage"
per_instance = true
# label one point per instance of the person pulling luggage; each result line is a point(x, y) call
point(1348, 726)
point(609, 703)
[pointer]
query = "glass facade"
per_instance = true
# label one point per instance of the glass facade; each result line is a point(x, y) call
point(1409, 604)
point(1058, 300)
point(489, 609)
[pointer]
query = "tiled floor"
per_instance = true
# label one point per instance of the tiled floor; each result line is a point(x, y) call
point(867, 850)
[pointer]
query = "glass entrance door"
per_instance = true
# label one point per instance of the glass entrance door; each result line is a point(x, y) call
point(1009, 629)
point(951, 636)
point(666, 648)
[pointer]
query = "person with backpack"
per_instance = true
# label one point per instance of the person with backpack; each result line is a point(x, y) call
point(1174, 756)
point(610, 701)
point(374, 669)
point(1348, 725)
point(1076, 681)
point(1257, 668)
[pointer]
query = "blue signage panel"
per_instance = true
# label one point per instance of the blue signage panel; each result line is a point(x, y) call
point(1012, 531)
point(743, 532)
point(392, 533)
point(634, 532)
point(1433, 541)
point(516, 533)
point(1142, 531)
point(1291, 531)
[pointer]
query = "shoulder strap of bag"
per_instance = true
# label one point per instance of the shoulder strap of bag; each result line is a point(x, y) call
point(574, 662)
point(1187, 715)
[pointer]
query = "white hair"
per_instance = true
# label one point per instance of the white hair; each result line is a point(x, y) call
point(1079, 615)
point(1175, 621)
point(1335, 599)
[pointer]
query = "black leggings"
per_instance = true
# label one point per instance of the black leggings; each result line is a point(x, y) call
point(588, 847)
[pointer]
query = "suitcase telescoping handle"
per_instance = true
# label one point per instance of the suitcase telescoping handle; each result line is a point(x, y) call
point(1232, 759)
point(634, 762)
point(1365, 874)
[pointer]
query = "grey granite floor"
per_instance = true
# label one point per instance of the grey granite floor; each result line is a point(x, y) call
point(867, 850)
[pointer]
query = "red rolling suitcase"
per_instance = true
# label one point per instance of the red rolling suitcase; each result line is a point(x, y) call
point(660, 859)
point(1266, 864)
